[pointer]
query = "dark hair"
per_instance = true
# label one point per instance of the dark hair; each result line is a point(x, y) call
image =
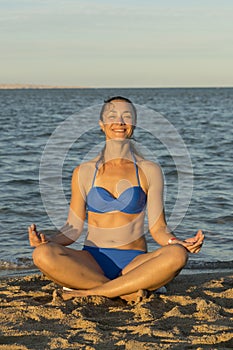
point(114, 98)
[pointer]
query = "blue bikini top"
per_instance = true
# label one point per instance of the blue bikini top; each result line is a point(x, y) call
point(131, 201)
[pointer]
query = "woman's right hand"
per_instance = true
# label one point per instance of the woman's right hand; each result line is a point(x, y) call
point(35, 238)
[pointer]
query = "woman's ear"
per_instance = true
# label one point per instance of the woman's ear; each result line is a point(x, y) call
point(101, 124)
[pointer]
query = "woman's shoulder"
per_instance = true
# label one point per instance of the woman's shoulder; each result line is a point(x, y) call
point(148, 165)
point(151, 171)
point(86, 166)
point(154, 176)
point(83, 175)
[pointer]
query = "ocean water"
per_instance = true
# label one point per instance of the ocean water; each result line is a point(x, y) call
point(187, 131)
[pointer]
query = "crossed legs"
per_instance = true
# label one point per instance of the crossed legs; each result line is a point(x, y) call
point(79, 270)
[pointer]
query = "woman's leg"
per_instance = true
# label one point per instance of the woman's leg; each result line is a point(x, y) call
point(148, 271)
point(68, 267)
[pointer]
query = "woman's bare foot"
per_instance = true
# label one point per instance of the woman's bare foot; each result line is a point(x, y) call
point(136, 297)
point(68, 294)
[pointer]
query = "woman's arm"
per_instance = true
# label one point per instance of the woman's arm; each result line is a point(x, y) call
point(155, 206)
point(72, 229)
point(156, 216)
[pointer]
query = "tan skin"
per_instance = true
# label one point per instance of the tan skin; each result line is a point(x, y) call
point(78, 269)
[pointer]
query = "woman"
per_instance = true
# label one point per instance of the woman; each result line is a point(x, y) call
point(114, 189)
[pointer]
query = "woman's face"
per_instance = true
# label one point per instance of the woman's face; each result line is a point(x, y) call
point(118, 120)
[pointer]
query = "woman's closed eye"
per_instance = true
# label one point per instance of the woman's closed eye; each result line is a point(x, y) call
point(112, 117)
point(127, 118)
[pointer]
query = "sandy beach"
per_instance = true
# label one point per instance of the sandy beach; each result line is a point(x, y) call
point(195, 313)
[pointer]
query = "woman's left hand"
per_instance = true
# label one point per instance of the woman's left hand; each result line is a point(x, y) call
point(194, 244)
point(36, 238)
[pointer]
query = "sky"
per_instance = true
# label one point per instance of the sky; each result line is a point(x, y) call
point(130, 43)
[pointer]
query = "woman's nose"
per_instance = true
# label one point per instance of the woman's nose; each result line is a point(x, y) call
point(120, 120)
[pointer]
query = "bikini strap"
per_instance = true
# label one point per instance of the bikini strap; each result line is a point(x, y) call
point(96, 169)
point(136, 168)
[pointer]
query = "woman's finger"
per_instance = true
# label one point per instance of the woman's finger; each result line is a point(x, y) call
point(196, 249)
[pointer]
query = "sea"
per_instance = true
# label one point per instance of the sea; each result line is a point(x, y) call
point(46, 133)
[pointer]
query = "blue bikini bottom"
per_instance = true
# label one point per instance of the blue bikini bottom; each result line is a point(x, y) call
point(112, 260)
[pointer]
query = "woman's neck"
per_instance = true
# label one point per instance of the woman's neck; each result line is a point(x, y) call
point(117, 151)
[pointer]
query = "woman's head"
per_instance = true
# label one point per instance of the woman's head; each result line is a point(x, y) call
point(118, 117)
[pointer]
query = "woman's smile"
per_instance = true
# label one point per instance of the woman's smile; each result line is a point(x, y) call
point(119, 130)
point(118, 121)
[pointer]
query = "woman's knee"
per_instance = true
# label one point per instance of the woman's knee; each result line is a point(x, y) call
point(43, 254)
point(179, 256)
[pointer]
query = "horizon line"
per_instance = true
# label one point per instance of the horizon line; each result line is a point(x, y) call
point(29, 86)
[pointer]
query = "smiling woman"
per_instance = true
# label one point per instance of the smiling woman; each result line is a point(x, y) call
point(119, 120)
point(114, 189)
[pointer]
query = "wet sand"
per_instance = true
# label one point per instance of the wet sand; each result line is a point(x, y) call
point(195, 313)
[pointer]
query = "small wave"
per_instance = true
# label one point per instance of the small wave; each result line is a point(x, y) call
point(222, 219)
point(209, 265)
point(27, 181)
point(16, 264)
